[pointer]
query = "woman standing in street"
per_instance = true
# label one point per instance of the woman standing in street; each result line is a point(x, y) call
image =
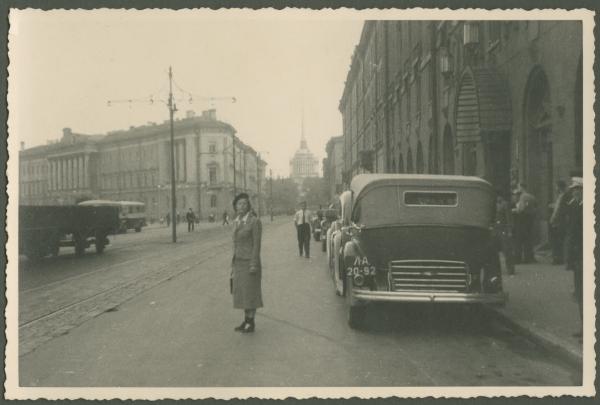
point(245, 265)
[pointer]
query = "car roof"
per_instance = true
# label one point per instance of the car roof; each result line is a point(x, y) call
point(361, 182)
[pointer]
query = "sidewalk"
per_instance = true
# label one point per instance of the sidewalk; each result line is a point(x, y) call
point(541, 305)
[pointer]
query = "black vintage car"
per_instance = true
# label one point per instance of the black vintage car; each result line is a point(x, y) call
point(416, 238)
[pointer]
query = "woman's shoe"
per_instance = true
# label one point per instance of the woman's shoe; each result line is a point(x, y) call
point(242, 326)
point(248, 327)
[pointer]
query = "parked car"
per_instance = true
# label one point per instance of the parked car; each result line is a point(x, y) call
point(415, 238)
point(329, 216)
point(315, 226)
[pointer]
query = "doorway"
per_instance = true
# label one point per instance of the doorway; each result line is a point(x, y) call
point(538, 146)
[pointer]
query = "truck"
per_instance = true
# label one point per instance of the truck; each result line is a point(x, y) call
point(43, 230)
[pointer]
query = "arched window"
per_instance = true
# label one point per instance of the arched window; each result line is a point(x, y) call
point(400, 163)
point(448, 151)
point(409, 162)
point(420, 162)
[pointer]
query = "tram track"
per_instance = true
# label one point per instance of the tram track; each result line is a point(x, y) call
point(61, 319)
point(97, 262)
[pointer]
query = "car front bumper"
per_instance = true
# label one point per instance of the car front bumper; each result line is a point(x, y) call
point(428, 296)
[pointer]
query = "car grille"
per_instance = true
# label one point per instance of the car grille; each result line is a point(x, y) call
point(428, 275)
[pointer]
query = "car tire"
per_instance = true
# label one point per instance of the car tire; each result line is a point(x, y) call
point(138, 229)
point(357, 313)
point(324, 245)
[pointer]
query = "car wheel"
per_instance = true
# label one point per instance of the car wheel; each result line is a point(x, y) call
point(324, 245)
point(138, 229)
point(357, 313)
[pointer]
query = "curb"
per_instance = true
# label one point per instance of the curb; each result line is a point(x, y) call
point(541, 338)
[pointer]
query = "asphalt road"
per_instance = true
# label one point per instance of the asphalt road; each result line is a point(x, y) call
point(150, 313)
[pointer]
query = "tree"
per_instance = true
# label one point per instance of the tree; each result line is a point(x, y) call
point(315, 191)
point(285, 196)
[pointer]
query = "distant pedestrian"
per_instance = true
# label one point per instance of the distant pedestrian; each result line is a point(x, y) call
point(557, 225)
point(302, 223)
point(524, 220)
point(190, 218)
point(504, 232)
point(168, 218)
point(225, 218)
point(574, 236)
point(245, 281)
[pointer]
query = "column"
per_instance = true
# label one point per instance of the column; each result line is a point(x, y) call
point(79, 176)
point(76, 172)
point(86, 171)
point(54, 175)
point(180, 161)
point(71, 173)
point(51, 174)
point(190, 161)
point(61, 174)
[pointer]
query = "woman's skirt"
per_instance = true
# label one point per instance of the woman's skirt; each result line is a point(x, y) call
point(246, 289)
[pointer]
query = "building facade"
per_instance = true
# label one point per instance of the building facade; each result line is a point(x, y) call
point(497, 99)
point(134, 165)
point(303, 164)
point(333, 166)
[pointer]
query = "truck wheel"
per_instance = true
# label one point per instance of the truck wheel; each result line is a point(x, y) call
point(100, 245)
point(79, 245)
point(55, 249)
point(357, 313)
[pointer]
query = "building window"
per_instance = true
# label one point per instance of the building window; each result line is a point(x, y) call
point(212, 147)
point(494, 29)
point(212, 175)
point(213, 201)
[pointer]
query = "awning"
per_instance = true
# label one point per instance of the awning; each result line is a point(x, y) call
point(483, 105)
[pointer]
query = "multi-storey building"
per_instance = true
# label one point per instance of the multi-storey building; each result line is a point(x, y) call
point(333, 166)
point(135, 165)
point(497, 99)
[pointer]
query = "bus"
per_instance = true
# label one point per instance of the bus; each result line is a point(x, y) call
point(132, 214)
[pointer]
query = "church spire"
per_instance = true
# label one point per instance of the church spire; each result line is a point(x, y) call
point(302, 138)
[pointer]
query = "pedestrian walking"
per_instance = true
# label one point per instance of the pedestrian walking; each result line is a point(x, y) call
point(225, 218)
point(574, 236)
point(504, 232)
point(190, 217)
point(178, 218)
point(246, 269)
point(302, 223)
point(524, 220)
point(557, 225)
point(168, 218)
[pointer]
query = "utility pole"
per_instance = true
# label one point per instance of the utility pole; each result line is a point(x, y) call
point(258, 182)
point(234, 168)
point(172, 109)
point(271, 192)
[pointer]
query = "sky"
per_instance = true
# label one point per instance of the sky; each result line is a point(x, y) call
point(66, 65)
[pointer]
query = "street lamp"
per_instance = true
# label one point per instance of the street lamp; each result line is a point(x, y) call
point(172, 109)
